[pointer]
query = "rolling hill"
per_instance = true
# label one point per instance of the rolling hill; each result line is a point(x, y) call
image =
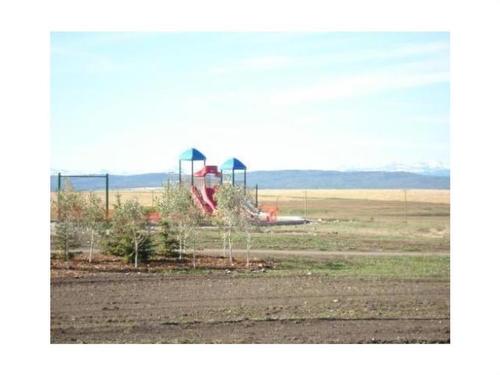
point(283, 179)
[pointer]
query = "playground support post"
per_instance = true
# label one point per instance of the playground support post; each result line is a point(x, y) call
point(245, 180)
point(58, 195)
point(256, 195)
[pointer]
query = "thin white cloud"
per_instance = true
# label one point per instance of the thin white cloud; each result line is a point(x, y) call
point(255, 64)
point(266, 62)
point(88, 61)
point(358, 85)
point(433, 119)
point(401, 51)
point(261, 63)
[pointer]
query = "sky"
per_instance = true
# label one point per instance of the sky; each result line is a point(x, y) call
point(132, 102)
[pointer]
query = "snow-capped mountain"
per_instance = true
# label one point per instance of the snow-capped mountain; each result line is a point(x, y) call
point(424, 168)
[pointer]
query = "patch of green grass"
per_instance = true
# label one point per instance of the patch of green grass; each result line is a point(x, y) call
point(352, 235)
point(354, 266)
point(401, 267)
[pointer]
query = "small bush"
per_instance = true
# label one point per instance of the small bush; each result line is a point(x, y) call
point(148, 210)
point(166, 244)
point(67, 236)
point(128, 230)
point(122, 245)
point(70, 208)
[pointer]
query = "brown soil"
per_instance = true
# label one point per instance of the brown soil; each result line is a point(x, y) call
point(248, 307)
point(80, 266)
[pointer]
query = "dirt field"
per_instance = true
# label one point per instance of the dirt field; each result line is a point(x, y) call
point(229, 308)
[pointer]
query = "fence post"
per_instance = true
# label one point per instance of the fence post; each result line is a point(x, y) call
point(58, 196)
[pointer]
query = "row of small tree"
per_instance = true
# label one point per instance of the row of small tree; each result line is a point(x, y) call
point(77, 215)
point(128, 234)
point(177, 207)
point(232, 216)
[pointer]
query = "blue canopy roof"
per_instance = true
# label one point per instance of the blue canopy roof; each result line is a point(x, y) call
point(233, 164)
point(192, 154)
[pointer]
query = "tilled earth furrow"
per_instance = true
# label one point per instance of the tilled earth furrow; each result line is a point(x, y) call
point(268, 331)
point(159, 308)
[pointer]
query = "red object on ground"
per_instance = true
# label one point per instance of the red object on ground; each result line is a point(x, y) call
point(153, 217)
point(271, 211)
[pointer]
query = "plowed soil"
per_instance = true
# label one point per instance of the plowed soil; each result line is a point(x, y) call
point(102, 307)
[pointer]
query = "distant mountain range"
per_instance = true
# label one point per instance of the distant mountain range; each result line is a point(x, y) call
point(287, 179)
point(428, 169)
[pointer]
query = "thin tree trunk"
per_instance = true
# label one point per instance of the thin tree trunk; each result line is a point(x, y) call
point(248, 249)
point(230, 248)
point(180, 246)
point(224, 243)
point(66, 245)
point(136, 246)
point(91, 245)
point(194, 252)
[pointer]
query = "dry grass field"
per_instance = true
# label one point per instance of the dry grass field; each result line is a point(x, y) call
point(284, 198)
point(412, 195)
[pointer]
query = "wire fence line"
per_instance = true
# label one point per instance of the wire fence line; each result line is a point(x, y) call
point(304, 202)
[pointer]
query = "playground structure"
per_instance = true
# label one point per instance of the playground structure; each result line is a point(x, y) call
point(203, 185)
point(205, 182)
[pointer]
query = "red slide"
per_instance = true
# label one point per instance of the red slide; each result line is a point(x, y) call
point(204, 198)
point(200, 201)
point(208, 197)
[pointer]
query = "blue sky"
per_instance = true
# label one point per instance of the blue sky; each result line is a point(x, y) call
point(132, 102)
